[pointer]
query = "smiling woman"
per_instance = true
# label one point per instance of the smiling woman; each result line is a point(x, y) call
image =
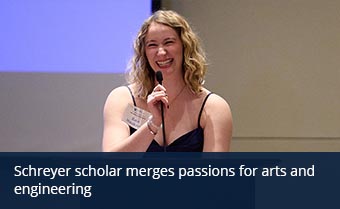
point(164, 49)
point(194, 119)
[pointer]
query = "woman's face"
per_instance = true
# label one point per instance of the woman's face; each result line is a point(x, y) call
point(164, 49)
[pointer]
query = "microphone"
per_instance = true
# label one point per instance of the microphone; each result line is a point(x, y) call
point(159, 77)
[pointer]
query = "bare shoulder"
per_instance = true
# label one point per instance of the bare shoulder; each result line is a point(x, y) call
point(118, 98)
point(217, 109)
point(216, 103)
point(119, 92)
point(217, 124)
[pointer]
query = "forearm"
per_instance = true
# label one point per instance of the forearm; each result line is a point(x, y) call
point(139, 141)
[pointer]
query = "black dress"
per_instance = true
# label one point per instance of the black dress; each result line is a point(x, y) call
point(190, 142)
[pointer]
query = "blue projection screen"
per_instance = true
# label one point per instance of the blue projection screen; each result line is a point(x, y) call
point(76, 36)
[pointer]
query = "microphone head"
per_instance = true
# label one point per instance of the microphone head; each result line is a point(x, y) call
point(159, 77)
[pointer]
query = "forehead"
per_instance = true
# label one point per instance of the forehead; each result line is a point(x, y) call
point(160, 31)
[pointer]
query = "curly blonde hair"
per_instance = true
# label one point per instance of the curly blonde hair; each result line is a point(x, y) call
point(194, 60)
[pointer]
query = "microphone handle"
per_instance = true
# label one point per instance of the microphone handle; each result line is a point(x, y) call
point(163, 127)
point(159, 78)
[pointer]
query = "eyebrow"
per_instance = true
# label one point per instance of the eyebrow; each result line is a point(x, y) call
point(148, 41)
point(170, 38)
point(166, 39)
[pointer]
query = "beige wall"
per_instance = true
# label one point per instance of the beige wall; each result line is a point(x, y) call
point(277, 62)
point(46, 112)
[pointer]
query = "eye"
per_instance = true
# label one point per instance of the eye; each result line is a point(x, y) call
point(169, 42)
point(151, 45)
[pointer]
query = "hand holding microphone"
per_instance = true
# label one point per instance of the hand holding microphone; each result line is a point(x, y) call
point(158, 96)
point(159, 78)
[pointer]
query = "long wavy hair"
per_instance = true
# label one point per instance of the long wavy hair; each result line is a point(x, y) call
point(194, 60)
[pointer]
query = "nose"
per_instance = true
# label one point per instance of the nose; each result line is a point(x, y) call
point(161, 51)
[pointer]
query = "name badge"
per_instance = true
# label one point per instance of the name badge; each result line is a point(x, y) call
point(135, 116)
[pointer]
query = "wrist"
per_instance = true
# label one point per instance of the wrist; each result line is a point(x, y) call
point(153, 128)
point(154, 122)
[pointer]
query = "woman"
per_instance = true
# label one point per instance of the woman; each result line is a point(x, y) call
point(194, 119)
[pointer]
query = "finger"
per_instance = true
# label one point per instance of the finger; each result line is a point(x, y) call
point(159, 88)
point(157, 97)
point(165, 101)
point(159, 94)
point(150, 98)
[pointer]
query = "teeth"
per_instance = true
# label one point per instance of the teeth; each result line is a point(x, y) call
point(164, 62)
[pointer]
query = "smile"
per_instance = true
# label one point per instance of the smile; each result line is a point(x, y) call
point(164, 63)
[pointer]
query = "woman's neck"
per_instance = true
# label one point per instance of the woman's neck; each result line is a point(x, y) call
point(173, 87)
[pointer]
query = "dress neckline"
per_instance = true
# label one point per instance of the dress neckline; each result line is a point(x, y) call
point(179, 139)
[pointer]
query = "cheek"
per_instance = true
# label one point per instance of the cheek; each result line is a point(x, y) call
point(148, 56)
point(147, 53)
point(180, 55)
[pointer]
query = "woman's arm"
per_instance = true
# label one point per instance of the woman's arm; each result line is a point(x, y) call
point(217, 123)
point(116, 133)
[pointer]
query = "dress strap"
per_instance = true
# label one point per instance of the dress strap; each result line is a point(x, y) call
point(199, 116)
point(133, 98)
